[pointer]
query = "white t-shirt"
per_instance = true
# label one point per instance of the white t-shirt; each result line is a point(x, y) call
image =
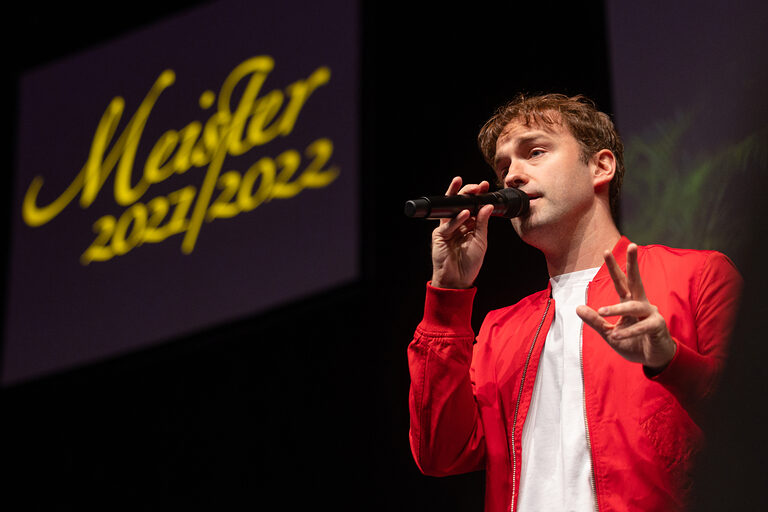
point(555, 472)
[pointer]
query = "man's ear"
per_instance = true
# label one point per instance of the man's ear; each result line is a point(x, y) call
point(603, 167)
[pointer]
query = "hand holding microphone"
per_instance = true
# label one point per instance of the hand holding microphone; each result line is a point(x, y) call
point(459, 243)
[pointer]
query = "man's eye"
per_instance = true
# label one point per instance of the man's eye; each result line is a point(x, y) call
point(536, 152)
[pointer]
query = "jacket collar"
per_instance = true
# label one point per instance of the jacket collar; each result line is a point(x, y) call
point(620, 254)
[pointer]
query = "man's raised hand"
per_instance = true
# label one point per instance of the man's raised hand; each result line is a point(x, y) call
point(640, 335)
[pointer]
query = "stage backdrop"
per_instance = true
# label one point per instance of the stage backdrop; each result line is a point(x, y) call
point(689, 82)
point(188, 174)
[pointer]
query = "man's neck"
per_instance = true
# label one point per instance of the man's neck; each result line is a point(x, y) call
point(581, 255)
point(581, 248)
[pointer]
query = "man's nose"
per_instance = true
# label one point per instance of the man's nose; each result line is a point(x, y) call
point(515, 178)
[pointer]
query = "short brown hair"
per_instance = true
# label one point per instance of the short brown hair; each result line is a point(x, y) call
point(593, 129)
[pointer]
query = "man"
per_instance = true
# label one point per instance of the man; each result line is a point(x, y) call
point(563, 417)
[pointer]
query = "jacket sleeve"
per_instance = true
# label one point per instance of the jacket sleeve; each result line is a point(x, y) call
point(445, 430)
point(694, 370)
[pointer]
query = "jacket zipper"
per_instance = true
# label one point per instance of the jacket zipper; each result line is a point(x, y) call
point(584, 405)
point(517, 403)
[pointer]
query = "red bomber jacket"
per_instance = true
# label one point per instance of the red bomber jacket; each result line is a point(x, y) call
point(469, 401)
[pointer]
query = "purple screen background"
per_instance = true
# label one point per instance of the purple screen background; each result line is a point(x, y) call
point(61, 314)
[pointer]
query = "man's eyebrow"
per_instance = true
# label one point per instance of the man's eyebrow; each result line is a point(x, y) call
point(522, 141)
point(534, 137)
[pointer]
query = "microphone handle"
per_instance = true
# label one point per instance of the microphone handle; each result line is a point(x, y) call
point(508, 203)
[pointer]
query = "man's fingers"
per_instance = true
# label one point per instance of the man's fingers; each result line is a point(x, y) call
point(464, 223)
point(481, 224)
point(618, 277)
point(649, 326)
point(454, 187)
point(635, 282)
point(635, 308)
point(590, 317)
point(448, 226)
point(475, 188)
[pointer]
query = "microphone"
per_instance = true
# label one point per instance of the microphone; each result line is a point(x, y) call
point(507, 203)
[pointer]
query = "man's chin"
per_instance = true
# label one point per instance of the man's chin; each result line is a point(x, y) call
point(523, 226)
point(531, 230)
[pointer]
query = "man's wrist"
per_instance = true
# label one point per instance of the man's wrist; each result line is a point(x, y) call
point(438, 283)
point(671, 350)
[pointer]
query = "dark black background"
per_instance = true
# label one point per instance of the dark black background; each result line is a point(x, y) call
point(307, 406)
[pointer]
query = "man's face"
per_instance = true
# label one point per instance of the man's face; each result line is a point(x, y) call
point(545, 162)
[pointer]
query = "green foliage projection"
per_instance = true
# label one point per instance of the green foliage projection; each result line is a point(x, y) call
point(698, 199)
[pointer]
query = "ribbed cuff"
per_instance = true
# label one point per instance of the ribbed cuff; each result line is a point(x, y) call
point(685, 374)
point(448, 310)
